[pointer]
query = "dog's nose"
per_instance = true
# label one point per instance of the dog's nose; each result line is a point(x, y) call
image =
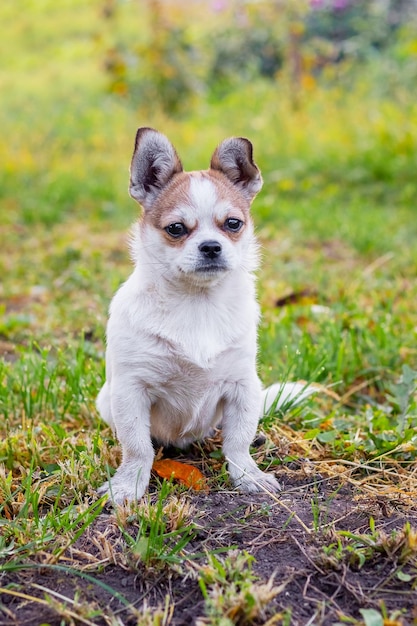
point(210, 249)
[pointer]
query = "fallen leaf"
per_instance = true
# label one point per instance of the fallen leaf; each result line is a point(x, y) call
point(186, 474)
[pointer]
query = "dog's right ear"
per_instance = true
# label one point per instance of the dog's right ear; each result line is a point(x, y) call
point(154, 163)
point(234, 158)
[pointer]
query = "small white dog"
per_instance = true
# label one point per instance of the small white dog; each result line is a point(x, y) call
point(181, 337)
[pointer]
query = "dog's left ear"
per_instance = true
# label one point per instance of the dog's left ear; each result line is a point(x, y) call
point(154, 163)
point(234, 157)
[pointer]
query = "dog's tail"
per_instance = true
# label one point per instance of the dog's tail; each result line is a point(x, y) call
point(282, 396)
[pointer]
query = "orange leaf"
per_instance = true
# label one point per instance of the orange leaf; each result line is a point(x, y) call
point(186, 474)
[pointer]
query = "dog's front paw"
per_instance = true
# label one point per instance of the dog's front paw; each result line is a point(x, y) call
point(249, 478)
point(253, 482)
point(127, 485)
point(118, 493)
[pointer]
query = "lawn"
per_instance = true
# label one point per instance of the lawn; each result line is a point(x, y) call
point(338, 289)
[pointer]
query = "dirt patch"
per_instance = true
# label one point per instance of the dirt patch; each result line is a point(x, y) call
point(322, 574)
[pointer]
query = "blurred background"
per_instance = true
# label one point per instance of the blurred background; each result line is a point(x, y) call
point(325, 89)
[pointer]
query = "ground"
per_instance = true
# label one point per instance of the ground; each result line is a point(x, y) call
point(296, 538)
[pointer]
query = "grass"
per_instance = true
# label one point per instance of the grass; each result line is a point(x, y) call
point(231, 591)
point(336, 220)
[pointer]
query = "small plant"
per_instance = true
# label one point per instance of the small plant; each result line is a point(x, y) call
point(403, 399)
point(162, 530)
point(355, 550)
point(374, 617)
point(231, 592)
point(399, 546)
point(154, 617)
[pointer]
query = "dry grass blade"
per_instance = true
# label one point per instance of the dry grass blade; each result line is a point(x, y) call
point(387, 481)
point(63, 610)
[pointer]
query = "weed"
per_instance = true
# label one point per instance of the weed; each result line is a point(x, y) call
point(150, 617)
point(374, 617)
point(399, 547)
point(231, 592)
point(162, 531)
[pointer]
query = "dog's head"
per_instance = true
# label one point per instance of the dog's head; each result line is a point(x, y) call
point(196, 226)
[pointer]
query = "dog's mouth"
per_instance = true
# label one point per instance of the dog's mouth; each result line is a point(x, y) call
point(211, 268)
point(205, 273)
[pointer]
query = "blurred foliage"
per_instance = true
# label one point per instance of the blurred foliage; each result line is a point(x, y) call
point(174, 61)
point(156, 70)
point(326, 92)
point(263, 56)
point(356, 28)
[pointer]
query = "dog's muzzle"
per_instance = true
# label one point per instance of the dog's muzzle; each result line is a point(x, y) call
point(211, 259)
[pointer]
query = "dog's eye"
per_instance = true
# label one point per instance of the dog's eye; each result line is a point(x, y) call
point(233, 224)
point(176, 230)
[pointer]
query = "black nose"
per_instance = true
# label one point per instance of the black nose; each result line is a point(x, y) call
point(210, 249)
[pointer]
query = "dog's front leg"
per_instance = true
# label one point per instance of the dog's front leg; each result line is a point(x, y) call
point(242, 405)
point(130, 408)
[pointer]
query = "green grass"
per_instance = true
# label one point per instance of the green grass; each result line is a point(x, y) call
point(336, 220)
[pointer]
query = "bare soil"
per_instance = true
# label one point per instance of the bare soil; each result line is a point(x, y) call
point(317, 588)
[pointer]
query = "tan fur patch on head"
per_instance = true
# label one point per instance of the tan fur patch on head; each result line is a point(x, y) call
point(228, 192)
point(168, 202)
point(193, 197)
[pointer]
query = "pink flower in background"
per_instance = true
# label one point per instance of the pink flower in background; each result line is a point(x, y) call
point(340, 5)
point(218, 5)
point(336, 5)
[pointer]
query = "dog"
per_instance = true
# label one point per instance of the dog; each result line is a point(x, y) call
point(182, 330)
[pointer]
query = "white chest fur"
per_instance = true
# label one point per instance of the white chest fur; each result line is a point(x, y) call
point(198, 325)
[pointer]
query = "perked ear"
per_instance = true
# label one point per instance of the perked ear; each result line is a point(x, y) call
point(234, 158)
point(154, 163)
